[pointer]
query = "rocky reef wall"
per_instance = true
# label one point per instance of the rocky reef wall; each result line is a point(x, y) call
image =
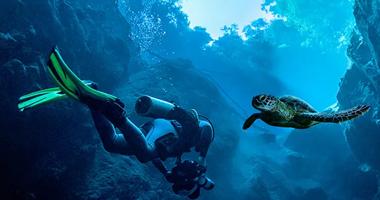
point(49, 152)
point(361, 83)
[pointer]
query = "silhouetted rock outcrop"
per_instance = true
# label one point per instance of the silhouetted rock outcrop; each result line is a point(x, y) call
point(361, 83)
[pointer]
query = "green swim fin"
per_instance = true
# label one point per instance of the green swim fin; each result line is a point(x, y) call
point(69, 83)
point(41, 97)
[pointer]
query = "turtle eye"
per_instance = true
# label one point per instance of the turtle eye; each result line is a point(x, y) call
point(257, 99)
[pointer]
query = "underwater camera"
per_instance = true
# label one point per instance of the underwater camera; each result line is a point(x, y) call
point(188, 178)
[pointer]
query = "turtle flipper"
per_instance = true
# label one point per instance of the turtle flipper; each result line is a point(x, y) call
point(248, 123)
point(337, 117)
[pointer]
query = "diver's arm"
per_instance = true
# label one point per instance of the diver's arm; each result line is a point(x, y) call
point(160, 166)
point(202, 156)
point(207, 136)
point(202, 161)
point(109, 115)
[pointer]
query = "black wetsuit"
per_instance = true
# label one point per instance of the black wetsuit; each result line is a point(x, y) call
point(142, 141)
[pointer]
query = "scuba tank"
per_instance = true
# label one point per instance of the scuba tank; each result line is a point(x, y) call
point(152, 107)
point(186, 124)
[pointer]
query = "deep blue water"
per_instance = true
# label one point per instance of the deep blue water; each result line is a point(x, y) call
point(325, 52)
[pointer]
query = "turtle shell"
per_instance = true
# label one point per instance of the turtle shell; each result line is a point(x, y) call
point(299, 105)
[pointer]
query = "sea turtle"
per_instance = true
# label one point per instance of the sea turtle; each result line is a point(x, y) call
point(290, 111)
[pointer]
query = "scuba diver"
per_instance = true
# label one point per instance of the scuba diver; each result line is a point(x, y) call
point(172, 132)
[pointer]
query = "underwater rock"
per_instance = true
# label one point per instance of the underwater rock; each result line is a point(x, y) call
point(310, 141)
point(259, 190)
point(360, 85)
point(267, 138)
point(92, 35)
point(48, 153)
point(6, 42)
point(361, 82)
point(15, 77)
point(323, 156)
point(314, 194)
point(269, 181)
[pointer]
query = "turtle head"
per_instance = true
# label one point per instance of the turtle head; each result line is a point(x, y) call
point(264, 102)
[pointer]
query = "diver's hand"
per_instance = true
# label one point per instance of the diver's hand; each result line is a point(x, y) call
point(202, 161)
point(205, 182)
point(169, 177)
point(202, 167)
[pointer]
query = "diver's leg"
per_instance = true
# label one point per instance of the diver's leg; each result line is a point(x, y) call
point(105, 112)
point(135, 137)
point(112, 141)
point(114, 112)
